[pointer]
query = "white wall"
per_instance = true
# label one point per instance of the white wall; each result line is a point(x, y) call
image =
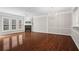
point(28, 19)
point(54, 24)
point(39, 24)
point(75, 27)
point(75, 36)
point(60, 23)
point(0, 24)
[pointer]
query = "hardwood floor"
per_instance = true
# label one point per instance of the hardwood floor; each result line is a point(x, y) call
point(41, 42)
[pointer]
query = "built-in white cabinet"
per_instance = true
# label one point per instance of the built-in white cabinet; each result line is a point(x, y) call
point(11, 23)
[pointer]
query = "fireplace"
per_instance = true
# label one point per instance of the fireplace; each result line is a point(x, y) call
point(27, 28)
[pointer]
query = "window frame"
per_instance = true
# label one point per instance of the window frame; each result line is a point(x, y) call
point(4, 24)
point(12, 25)
point(20, 24)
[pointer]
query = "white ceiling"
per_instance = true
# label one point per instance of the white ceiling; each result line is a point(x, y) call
point(34, 10)
point(44, 10)
point(38, 10)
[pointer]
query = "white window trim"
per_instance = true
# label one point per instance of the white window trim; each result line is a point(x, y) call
point(11, 24)
point(2, 24)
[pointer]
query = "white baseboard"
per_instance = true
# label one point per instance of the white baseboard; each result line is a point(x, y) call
point(75, 37)
point(61, 31)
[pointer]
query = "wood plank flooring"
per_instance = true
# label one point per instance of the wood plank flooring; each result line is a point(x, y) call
point(33, 41)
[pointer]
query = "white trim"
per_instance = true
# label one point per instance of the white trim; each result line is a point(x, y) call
point(61, 31)
point(10, 17)
point(3, 26)
point(58, 13)
point(75, 37)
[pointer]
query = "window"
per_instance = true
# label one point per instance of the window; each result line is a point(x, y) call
point(13, 24)
point(20, 24)
point(5, 24)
